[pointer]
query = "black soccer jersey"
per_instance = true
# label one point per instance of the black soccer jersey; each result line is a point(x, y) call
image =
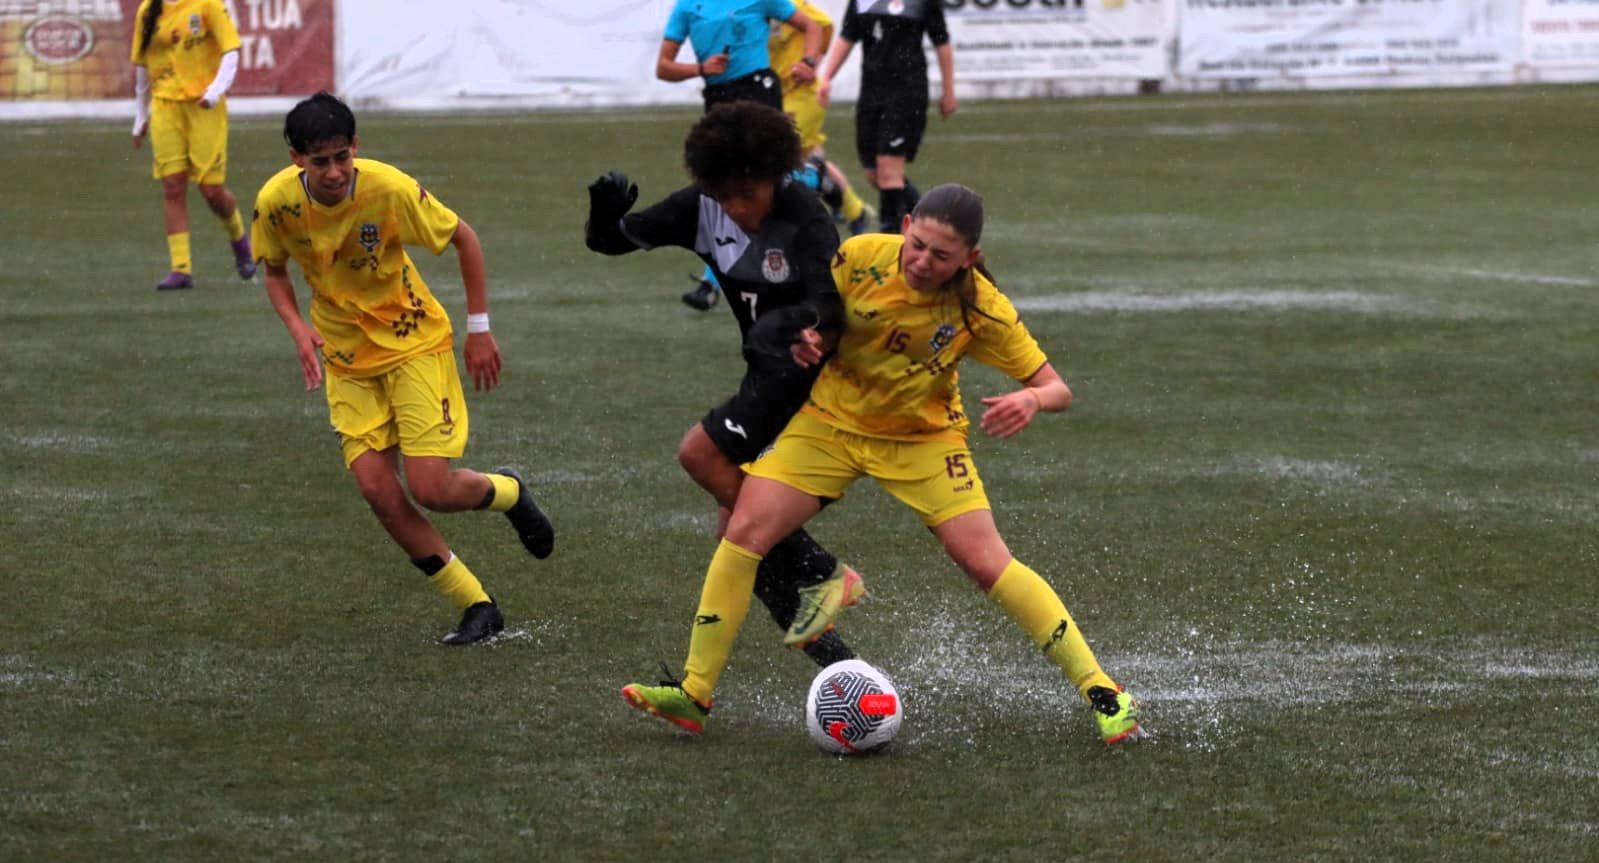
point(890, 35)
point(787, 263)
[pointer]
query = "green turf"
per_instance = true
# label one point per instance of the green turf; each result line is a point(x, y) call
point(1327, 502)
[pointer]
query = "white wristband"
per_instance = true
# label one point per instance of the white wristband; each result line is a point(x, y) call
point(477, 323)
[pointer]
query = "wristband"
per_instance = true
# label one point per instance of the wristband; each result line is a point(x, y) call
point(809, 61)
point(477, 323)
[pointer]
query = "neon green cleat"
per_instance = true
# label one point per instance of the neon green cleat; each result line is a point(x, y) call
point(669, 702)
point(821, 603)
point(1116, 711)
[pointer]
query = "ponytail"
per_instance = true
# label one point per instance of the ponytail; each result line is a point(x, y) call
point(147, 26)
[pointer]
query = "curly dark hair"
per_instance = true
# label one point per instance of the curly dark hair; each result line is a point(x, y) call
point(741, 141)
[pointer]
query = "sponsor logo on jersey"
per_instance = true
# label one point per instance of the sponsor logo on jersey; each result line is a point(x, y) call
point(369, 236)
point(775, 266)
point(735, 428)
point(195, 26)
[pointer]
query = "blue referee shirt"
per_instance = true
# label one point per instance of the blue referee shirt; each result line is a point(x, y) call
point(738, 27)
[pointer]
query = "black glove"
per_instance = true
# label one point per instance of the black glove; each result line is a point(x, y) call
point(611, 196)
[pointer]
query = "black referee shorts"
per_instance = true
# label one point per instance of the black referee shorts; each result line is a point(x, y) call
point(759, 86)
point(890, 127)
point(747, 423)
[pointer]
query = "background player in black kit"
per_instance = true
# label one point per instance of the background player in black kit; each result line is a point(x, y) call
point(891, 112)
point(771, 242)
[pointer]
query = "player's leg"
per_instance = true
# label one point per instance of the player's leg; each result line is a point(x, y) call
point(169, 148)
point(798, 572)
point(362, 412)
point(941, 482)
point(208, 157)
point(707, 289)
point(433, 425)
point(899, 135)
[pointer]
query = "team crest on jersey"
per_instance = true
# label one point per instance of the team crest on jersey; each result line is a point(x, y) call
point(896, 7)
point(775, 266)
point(194, 25)
point(369, 236)
point(942, 338)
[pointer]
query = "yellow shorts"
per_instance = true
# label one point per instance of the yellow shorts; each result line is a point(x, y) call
point(419, 407)
point(936, 478)
point(188, 139)
point(808, 116)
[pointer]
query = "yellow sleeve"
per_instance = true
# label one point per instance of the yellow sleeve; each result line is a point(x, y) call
point(1005, 343)
point(222, 28)
point(264, 241)
point(423, 220)
point(134, 54)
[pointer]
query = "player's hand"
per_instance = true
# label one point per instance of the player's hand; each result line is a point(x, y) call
point(611, 196)
point(1009, 413)
point(138, 134)
point(947, 104)
point(807, 349)
point(803, 73)
point(483, 361)
point(206, 102)
point(824, 91)
point(308, 344)
point(715, 64)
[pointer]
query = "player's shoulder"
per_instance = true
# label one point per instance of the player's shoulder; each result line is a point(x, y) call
point(814, 12)
point(992, 300)
point(281, 183)
point(868, 248)
point(797, 203)
point(381, 175)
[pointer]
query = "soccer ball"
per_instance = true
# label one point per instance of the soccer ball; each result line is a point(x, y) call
point(853, 709)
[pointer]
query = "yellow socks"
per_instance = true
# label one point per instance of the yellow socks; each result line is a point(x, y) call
point(724, 600)
point(853, 205)
point(458, 584)
point(505, 493)
point(234, 225)
point(1033, 604)
point(178, 248)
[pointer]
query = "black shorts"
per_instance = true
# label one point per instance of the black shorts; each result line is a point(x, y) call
point(759, 86)
point(747, 423)
point(889, 127)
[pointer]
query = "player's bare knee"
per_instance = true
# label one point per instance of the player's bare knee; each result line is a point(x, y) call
point(174, 187)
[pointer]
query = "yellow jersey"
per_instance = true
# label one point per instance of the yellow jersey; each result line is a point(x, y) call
point(368, 301)
point(786, 45)
point(894, 373)
point(187, 46)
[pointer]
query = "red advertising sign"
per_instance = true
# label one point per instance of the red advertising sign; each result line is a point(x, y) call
point(59, 50)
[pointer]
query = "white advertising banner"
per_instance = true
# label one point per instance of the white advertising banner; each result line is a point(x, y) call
point(1011, 40)
point(1309, 38)
point(526, 52)
point(1560, 32)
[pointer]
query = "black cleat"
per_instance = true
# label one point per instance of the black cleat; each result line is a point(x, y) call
point(703, 297)
point(480, 621)
point(532, 525)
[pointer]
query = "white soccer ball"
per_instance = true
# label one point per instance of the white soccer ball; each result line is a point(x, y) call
point(853, 709)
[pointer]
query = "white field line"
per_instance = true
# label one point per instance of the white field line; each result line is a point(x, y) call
point(1501, 275)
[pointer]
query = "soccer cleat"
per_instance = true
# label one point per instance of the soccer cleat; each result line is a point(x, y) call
point(820, 603)
point(480, 620)
point(175, 281)
point(243, 260)
point(532, 525)
point(1116, 711)
point(667, 701)
point(704, 295)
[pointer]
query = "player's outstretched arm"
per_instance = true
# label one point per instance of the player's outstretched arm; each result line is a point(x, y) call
point(307, 343)
point(482, 353)
point(610, 197)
